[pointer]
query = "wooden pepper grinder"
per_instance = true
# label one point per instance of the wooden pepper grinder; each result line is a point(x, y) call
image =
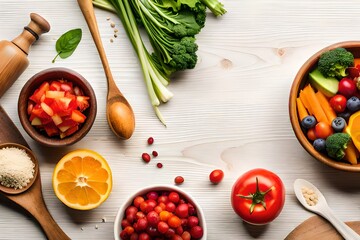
point(13, 55)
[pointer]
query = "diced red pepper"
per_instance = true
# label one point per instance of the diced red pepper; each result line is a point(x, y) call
point(38, 94)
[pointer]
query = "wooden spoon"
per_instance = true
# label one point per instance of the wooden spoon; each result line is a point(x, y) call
point(31, 199)
point(119, 113)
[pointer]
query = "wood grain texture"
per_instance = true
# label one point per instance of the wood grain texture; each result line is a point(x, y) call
point(230, 112)
point(318, 228)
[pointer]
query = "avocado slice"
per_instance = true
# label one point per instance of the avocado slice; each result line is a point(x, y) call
point(327, 85)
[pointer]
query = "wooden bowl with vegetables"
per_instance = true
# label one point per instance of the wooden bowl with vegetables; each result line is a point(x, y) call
point(324, 106)
point(57, 107)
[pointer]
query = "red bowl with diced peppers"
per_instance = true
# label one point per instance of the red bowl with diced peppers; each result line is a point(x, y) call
point(163, 211)
point(57, 107)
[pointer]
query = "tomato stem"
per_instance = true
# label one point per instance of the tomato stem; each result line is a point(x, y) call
point(257, 197)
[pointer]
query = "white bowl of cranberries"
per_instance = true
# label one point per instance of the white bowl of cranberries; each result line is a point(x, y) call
point(160, 212)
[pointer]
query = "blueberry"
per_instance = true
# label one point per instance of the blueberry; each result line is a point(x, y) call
point(345, 115)
point(319, 145)
point(353, 104)
point(338, 124)
point(308, 122)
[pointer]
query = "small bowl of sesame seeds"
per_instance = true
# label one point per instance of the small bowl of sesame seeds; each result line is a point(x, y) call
point(160, 211)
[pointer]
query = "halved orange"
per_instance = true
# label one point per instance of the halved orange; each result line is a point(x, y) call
point(353, 129)
point(82, 179)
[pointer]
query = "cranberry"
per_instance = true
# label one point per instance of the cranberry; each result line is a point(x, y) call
point(140, 215)
point(174, 197)
point(176, 237)
point(170, 206)
point(131, 217)
point(182, 210)
point(129, 230)
point(196, 232)
point(186, 235)
point(146, 157)
point(123, 235)
point(153, 218)
point(137, 201)
point(125, 223)
point(163, 227)
point(174, 221)
point(163, 199)
point(192, 210)
point(144, 206)
point(152, 231)
point(134, 236)
point(179, 230)
point(142, 224)
point(131, 210)
point(155, 153)
point(192, 221)
point(170, 233)
point(150, 140)
point(179, 180)
point(159, 165)
point(152, 195)
point(151, 204)
point(144, 236)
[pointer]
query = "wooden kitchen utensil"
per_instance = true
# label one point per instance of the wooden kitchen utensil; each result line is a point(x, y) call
point(13, 54)
point(32, 199)
point(318, 228)
point(119, 113)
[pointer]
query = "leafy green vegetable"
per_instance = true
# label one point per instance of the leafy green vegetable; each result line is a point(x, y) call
point(336, 145)
point(67, 43)
point(333, 63)
point(171, 26)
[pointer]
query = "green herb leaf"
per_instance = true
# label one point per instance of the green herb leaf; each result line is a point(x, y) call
point(67, 43)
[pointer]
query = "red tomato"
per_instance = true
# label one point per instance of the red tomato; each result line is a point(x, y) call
point(258, 196)
point(323, 130)
point(347, 87)
point(216, 176)
point(338, 103)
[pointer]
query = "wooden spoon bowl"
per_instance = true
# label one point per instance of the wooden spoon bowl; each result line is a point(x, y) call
point(301, 79)
point(36, 168)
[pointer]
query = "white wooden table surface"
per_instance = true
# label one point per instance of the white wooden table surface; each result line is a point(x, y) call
point(230, 112)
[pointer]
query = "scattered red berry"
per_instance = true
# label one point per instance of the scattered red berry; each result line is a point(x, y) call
point(150, 140)
point(146, 157)
point(155, 153)
point(179, 180)
point(216, 176)
point(159, 165)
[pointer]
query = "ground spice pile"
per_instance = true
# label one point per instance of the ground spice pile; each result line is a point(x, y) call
point(16, 168)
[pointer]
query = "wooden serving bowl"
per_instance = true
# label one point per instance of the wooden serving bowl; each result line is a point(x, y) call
point(301, 79)
point(55, 74)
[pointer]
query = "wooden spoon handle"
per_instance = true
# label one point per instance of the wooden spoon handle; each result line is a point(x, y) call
point(87, 9)
point(51, 228)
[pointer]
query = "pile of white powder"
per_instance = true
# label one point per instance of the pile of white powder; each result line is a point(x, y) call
point(16, 168)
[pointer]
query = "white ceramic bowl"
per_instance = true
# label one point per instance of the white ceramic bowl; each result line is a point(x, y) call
point(143, 191)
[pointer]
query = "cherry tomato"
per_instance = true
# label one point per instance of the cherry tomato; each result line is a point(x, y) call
point(216, 176)
point(258, 196)
point(323, 130)
point(311, 134)
point(347, 87)
point(338, 103)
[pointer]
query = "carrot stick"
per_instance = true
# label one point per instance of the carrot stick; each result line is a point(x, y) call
point(351, 153)
point(329, 111)
point(315, 105)
point(301, 109)
point(305, 102)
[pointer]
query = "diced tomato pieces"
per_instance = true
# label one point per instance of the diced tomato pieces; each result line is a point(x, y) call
point(51, 129)
point(57, 107)
point(70, 131)
point(30, 107)
point(38, 94)
point(55, 86)
point(82, 102)
point(77, 116)
point(54, 94)
point(67, 87)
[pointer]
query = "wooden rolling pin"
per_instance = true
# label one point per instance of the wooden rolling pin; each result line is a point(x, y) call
point(13, 54)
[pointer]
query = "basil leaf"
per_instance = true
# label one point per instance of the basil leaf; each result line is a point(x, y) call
point(67, 43)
